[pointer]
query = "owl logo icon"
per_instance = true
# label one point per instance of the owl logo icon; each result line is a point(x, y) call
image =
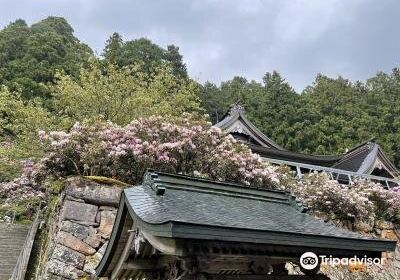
point(309, 260)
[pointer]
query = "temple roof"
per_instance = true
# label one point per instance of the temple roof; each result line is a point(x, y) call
point(180, 207)
point(235, 121)
point(366, 158)
point(187, 202)
point(206, 203)
point(320, 160)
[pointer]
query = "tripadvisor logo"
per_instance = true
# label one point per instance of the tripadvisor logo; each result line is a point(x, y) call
point(310, 261)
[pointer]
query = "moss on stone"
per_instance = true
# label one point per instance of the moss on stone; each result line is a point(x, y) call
point(56, 187)
point(106, 181)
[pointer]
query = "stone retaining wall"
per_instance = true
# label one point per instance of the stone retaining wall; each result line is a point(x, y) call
point(391, 260)
point(78, 240)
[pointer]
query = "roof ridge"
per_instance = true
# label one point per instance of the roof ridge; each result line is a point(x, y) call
point(232, 193)
point(366, 142)
point(152, 174)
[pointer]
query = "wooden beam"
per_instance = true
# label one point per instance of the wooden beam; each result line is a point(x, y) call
point(165, 245)
point(125, 254)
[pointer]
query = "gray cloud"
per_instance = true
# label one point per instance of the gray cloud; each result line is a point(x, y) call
point(220, 39)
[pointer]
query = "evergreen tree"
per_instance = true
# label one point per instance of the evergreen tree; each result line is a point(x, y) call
point(30, 56)
point(113, 47)
point(143, 51)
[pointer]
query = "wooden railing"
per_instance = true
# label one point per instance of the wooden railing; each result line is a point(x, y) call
point(334, 173)
point(23, 259)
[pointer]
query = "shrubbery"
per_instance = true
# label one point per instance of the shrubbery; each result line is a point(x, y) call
point(20, 120)
point(101, 91)
point(120, 95)
point(125, 152)
point(20, 197)
point(181, 146)
point(363, 200)
point(190, 147)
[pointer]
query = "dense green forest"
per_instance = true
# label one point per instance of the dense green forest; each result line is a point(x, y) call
point(50, 79)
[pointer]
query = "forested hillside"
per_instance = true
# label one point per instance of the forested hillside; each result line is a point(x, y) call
point(50, 79)
point(328, 117)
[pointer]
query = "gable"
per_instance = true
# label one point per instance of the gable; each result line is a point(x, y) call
point(368, 158)
point(236, 123)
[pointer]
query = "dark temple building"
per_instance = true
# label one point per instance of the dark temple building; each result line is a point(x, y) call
point(368, 160)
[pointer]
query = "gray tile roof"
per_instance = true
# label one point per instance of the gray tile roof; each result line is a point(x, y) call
point(363, 158)
point(199, 202)
point(225, 210)
point(190, 210)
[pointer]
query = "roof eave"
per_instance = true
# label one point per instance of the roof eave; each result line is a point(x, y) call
point(179, 230)
point(182, 230)
point(322, 160)
point(103, 266)
point(388, 163)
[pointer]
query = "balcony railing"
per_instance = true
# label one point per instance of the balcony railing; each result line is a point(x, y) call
point(337, 174)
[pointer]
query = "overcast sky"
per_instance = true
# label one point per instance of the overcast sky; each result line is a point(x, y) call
point(221, 39)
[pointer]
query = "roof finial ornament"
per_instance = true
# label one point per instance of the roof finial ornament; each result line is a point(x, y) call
point(236, 109)
point(151, 179)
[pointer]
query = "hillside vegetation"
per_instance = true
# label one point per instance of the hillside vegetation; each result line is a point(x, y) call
point(54, 87)
point(50, 79)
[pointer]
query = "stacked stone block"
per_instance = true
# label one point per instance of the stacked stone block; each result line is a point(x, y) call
point(80, 238)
